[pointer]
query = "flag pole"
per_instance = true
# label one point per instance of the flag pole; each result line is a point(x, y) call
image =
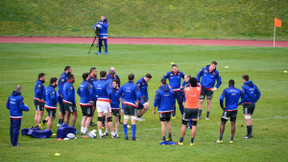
point(274, 36)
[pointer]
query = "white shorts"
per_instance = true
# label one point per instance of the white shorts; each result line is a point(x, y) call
point(103, 107)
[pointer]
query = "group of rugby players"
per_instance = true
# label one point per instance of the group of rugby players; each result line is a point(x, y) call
point(106, 94)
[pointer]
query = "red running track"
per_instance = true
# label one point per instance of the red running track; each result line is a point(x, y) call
point(171, 41)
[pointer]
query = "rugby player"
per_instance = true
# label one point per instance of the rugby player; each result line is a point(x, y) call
point(93, 78)
point(86, 94)
point(103, 93)
point(115, 105)
point(39, 97)
point(62, 79)
point(253, 95)
point(131, 97)
point(231, 96)
point(174, 78)
point(69, 100)
point(209, 74)
point(165, 100)
point(192, 94)
point(144, 102)
point(51, 101)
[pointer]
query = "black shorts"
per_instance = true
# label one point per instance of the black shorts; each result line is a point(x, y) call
point(51, 112)
point(165, 117)
point(116, 112)
point(248, 108)
point(61, 104)
point(70, 107)
point(227, 114)
point(206, 92)
point(130, 110)
point(39, 105)
point(87, 110)
point(94, 103)
point(190, 114)
point(143, 100)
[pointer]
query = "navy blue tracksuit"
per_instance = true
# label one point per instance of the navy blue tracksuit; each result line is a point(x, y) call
point(16, 105)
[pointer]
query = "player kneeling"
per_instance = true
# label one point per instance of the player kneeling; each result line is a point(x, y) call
point(192, 95)
point(165, 101)
point(231, 95)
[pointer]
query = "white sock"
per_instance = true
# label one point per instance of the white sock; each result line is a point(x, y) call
point(82, 129)
point(106, 131)
point(116, 130)
point(112, 133)
point(100, 132)
point(85, 130)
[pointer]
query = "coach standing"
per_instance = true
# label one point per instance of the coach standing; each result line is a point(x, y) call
point(16, 105)
point(103, 33)
point(209, 74)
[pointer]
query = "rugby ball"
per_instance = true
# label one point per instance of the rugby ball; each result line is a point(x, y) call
point(92, 134)
point(70, 135)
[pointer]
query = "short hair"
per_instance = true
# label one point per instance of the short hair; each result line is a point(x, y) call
point(246, 77)
point(193, 82)
point(40, 75)
point(148, 75)
point(115, 80)
point(163, 81)
point(92, 69)
point(174, 65)
point(102, 73)
point(18, 88)
point(231, 82)
point(188, 75)
point(85, 75)
point(53, 80)
point(130, 77)
point(214, 62)
point(67, 68)
point(70, 76)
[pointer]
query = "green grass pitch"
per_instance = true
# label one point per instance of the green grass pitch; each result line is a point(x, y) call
point(21, 63)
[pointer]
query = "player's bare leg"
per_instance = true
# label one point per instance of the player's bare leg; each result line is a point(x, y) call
point(208, 108)
point(200, 108)
point(73, 119)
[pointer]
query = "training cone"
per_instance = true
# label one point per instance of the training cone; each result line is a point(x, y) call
point(59, 139)
point(85, 136)
point(57, 154)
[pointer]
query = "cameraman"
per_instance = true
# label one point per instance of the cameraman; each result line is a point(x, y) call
point(102, 26)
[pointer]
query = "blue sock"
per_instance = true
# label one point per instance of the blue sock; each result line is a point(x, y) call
point(125, 130)
point(190, 123)
point(133, 131)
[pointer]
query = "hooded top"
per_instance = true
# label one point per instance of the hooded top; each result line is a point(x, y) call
point(208, 78)
point(51, 97)
point(164, 99)
point(104, 28)
point(252, 92)
point(102, 90)
point(174, 79)
point(130, 92)
point(86, 93)
point(232, 96)
point(62, 79)
point(143, 87)
point(39, 90)
point(16, 105)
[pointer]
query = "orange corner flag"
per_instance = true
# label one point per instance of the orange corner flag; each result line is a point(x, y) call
point(277, 22)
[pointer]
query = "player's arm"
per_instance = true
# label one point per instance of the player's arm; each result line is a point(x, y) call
point(22, 106)
point(53, 96)
point(199, 75)
point(166, 76)
point(257, 93)
point(8, 103)
point(156, 102)
point(243, 98)
point(118, 94)
point(219, 81)
point(222, 99)
point(138, 95)
point(105, 25)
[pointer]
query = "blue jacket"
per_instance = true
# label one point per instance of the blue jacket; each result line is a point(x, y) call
point(69, 93)
point(51, 98)
point(252, 92)
point(115, 103)
point(208, 78)
point(232, 96)
point(102, 90)
point(164, 99)
point(16, 105)
point(131, 94)
point(92, 79)
point(143, 87)
point(109, 76)
point(174, 79)
point(39, 90)
point(86, 93)
point(62, 79)
point(104, 28)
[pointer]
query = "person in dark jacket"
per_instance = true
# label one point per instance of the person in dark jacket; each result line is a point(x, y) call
point(253, 95)
point(16, 105)
point(165, 101)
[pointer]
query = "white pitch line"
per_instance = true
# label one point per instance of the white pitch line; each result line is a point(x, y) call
point(48, 139)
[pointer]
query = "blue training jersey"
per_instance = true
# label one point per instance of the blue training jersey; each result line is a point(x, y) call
point(143, 87)
point(51, 98)
point(174, 79)
point(86, 93)
point(15, 104)
point(252, 92)
point(69, 93)
point(208, 78)
point(115, 102)
point(131, 94)
point(39, 90)
point(232, 96)
point(102, 90)
point(164, 99)
point(61, 81)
